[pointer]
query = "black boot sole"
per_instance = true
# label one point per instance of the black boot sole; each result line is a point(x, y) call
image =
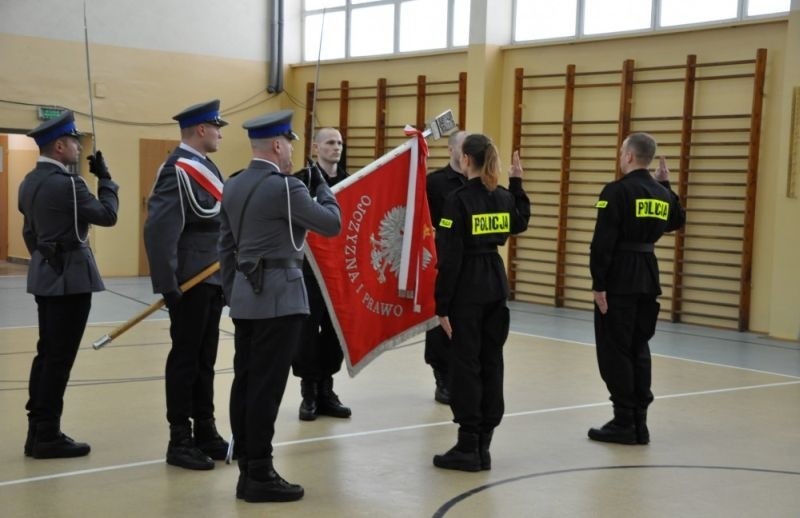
point(600, 436)
point(334, 413)
point(59, 454)
point(440, 462)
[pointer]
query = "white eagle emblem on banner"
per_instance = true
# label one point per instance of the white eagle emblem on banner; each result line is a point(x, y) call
point(386, 248)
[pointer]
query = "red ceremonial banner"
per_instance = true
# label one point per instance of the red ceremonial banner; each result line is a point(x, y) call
point(377, 276)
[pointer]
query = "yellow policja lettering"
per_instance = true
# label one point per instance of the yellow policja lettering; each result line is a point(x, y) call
point(492, 223)
point(445, 223)
point(650, 208)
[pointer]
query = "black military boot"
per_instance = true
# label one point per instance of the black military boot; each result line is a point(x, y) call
point(208, 440)
point(328, 402)
point(463, 456)
point(263, 484)
point(308, 407)
point(182, 452)
point(50, 443)
point(484, 440)
point(620, 430)
point(241, 483)
point(640, 421)
point(30, 438)
point(442, 393)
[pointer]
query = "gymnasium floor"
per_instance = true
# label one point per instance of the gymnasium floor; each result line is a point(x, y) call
point(725, 429)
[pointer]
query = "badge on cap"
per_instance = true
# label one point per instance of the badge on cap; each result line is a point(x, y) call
point(48, 131)
point(207, 112)
point(271, 125)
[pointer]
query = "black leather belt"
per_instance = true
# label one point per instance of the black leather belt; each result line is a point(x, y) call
point(481, 251)
point(69, 247)
point(202, 226)
point(282, 263)
point(630, 246)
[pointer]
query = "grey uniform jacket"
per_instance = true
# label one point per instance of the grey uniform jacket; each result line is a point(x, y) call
point(53, 211)
point(179, 242)
point(266, 234)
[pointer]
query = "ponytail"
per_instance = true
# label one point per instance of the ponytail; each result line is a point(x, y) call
point(484, 154)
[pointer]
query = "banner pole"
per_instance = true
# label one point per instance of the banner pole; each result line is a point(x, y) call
point(152, 308)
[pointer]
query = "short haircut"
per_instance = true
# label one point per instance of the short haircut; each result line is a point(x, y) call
point(643, 147)
point(453, 138)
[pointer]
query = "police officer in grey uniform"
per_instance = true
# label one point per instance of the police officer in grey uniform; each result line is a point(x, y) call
point(265, 215)
point(58, 209)
point(180, 235)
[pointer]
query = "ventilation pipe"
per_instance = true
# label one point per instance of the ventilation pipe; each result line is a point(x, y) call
point(275, 50)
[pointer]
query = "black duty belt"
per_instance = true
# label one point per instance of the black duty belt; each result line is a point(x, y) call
point(630, 246)
point(481, 251)
point(69, 247)
point(281, 263)
point(202, 226)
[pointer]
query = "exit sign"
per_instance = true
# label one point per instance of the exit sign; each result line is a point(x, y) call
point(49, 112)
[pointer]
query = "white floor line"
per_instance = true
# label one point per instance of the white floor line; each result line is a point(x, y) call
point(701, 362)
point(389, 430)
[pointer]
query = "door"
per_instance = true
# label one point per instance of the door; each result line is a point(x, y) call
point(4, 208)
point(152, 153)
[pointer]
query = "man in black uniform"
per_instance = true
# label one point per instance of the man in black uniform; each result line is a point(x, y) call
point(58, 209)
point(319, 355)
point(439, 184)
point(266, 213)
point(180, 235)
point(633, 213)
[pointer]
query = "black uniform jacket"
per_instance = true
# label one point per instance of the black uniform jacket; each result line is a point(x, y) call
point(474, 223)
point(439, 185)
point(310, 181)
point(634, 210)
point(57, 204)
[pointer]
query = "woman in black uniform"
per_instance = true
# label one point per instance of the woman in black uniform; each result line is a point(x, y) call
point(471, 295)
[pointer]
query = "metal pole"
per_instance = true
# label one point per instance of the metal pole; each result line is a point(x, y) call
point(89, 78)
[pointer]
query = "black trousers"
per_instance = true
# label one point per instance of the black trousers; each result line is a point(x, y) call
point(194, 328)
point(319, 354)
point(62, 321)
point(264, 351)
point(476, 365)
point(436, 350)
point(623, 352)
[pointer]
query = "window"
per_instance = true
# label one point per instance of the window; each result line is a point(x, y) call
point(352, 28)
point(536, 20)
point(422, 25)
point(604, 16)
point(682, 12)
point(761, 7)
point(545, 19)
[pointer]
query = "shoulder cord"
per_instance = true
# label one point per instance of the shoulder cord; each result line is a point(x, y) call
point(183, 178)
point(289, 208)
point(75, 212)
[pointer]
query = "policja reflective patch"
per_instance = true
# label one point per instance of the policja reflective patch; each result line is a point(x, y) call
point(602, 204)
point(445, 223)
point(496, 223)
point(650, 208)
